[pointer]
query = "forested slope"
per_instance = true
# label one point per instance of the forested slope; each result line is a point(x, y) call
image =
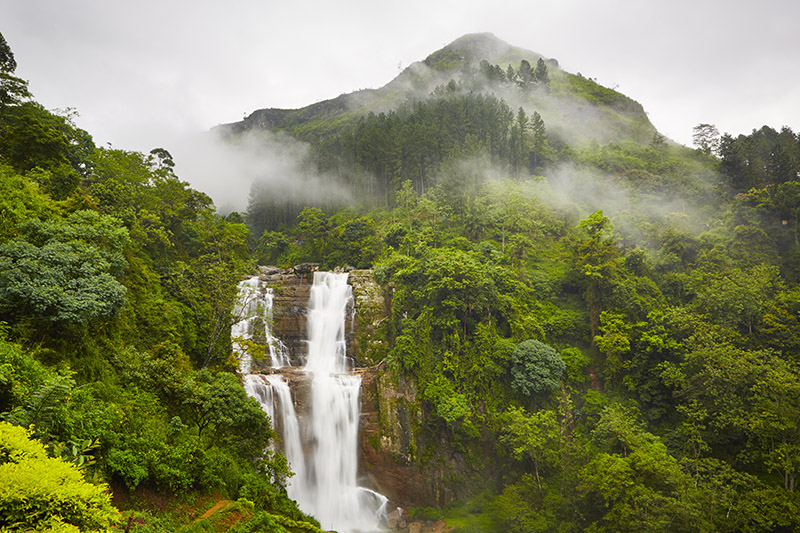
point(117, 283)
point(605, 329)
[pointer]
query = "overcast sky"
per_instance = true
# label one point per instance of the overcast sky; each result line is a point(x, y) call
point(140, 73)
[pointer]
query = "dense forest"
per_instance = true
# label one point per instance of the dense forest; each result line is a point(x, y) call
point(609, 328)
point(117, 282)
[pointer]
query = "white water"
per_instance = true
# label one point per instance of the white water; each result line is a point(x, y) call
point(256, 386)
point(254, 303)
point(334, 497)
point(292, 444)
point(325, 481)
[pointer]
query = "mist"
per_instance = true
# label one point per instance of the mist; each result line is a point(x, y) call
point(636, 213)
point(229, 168)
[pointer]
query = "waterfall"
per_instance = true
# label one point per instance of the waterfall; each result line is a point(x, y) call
point(335, 498)
point(325, 461)
point(327, 309)
point(254, 304)
point(258, 387)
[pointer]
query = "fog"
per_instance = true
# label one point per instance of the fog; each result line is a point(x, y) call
point(633, 209)
point(228, 168)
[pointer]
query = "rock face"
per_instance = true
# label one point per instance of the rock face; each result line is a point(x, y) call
point(394, 441)
point(391, 434)
point(364, 341)
point(292, 287)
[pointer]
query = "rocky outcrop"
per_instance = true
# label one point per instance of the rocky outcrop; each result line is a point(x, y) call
point(365, 342)
point(410, 466)
point(291, 288)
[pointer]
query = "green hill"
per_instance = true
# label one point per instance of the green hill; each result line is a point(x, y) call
point(576, 109)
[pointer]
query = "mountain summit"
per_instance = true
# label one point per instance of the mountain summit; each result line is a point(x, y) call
point(577, 110)
point(473, 48)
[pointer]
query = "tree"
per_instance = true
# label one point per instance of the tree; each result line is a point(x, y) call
point(540, 76)
point(519, 141)
point(706, 138)
point(748, 401)
point(599, 261)
point(526, 74)
point(511, 74)
point(62, 272)
point(534, 437)
point(536, 368)
point(540, 148)
point(21, 198)
point(452, 407)
point(218, 405)
point(162, 160)
point(633, 483)
point(312, 227)
point(739, 297)
point(49, 143)
point(13, 90)
point(7, 61)
point(406, 200)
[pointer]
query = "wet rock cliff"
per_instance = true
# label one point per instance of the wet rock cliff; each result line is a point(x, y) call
point(409, 465)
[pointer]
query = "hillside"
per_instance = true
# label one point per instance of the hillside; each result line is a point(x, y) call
point(584, 329)
point(576, 109)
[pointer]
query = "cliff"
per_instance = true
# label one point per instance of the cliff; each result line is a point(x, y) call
point(410, 464)
point(291, 288)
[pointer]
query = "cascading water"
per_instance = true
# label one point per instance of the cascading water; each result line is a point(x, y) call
point(254, 303)
point(338, 501)
point(325, 481)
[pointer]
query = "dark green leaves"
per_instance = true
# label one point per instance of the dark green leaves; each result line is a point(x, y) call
point(63, 272)
point(536, 368)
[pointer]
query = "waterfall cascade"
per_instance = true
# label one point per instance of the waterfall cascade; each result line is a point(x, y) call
point(323, 451)
point(254, 304)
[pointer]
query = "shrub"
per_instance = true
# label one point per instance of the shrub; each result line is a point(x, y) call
point(41, 493)
point(536, 368)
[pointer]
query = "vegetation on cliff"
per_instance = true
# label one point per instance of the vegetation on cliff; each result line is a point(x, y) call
point(600, 323)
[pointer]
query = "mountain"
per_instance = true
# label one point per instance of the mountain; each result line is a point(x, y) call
point(576, 110)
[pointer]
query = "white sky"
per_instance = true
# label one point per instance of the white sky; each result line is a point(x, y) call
point(142, 73)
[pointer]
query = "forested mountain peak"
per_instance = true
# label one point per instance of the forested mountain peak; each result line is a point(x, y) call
point(473, 48)
point(577, 110)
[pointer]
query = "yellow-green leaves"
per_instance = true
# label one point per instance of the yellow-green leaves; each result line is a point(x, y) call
point(41, 493)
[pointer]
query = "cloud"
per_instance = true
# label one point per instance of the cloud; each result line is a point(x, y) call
point(634, 209)
point(273, 164)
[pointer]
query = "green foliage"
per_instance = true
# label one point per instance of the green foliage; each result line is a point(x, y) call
point(39, 493)
point(634, 481)
point(535, 438)
point(34, 138)
point(13, 90)
point(63, 272)
point(740, 298)
point(450, 406)
point(672, 405)
point(762, 158)
point(21, 199)
point(536, 368)
point(275, 523)
point(596, 93)
point(754, 396)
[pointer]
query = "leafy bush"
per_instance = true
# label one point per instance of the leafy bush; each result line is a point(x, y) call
point(42, 493)
point(536, 368)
